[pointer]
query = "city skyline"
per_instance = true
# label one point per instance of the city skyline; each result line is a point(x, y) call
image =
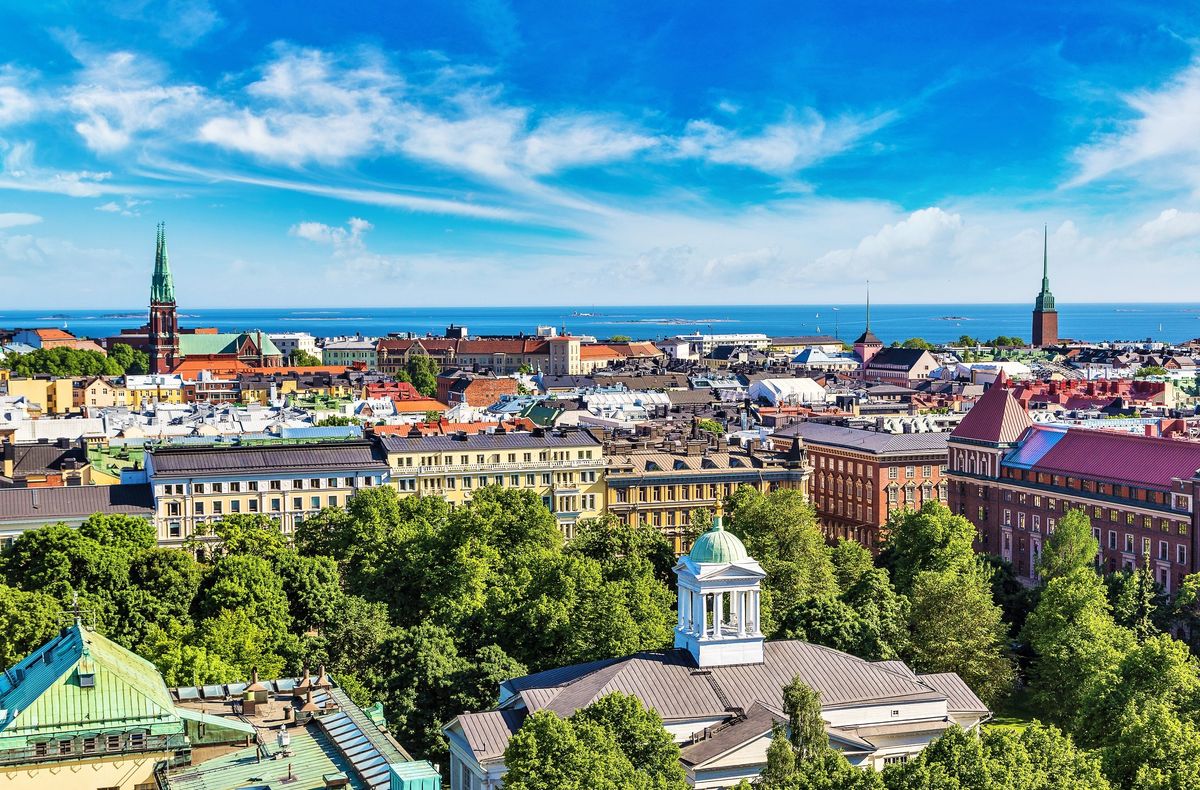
point(614, 155)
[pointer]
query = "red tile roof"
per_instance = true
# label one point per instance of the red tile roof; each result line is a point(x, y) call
point(1125, 458)
point(997, 418)
point(54, 334)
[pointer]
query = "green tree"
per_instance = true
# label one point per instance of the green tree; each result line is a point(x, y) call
point(806, 727)
point(917, 342)
point(27, 621)
point(120, 531)
point(851, 561)
point(313, 588)
point(62, 361)
point(335, 421)
point(245, 533)
point(608, 539)
point(1150, 370)
point(549, 753)
point(620, 339)
point(640, 736)
point(303, 359)
point(710, 425)
point(1077, 645)
point(956, 627)
point(929, 539)
point(1153, 748)
point(780, 530)
point(246, 584)
point(1138, 602)
point(423, 372)
point(131, 361)
point(1070, 547)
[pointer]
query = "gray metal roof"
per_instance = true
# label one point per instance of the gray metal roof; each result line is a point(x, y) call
point(758, 721)
point(866, 441)
point(487, 733)
point(64, 503)
point(959, 697)
point(307, 458)
point(487, 441)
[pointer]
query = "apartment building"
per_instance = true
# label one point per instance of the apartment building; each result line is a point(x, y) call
point(860, 477)
point(564, 468)
point(664, 484)
point(288, 482)
point(1014, 479)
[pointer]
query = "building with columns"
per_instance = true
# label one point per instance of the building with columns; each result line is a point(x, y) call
point(719, 690)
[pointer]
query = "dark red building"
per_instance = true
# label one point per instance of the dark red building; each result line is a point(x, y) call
point(1014, 480)
point(1045, 317)
point(164, 325)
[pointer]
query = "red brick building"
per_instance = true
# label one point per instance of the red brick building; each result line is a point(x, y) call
point(1014, 480)
point(859, 477)
point(473, 389)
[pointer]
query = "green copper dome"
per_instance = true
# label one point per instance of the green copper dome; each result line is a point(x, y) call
point(717, 546)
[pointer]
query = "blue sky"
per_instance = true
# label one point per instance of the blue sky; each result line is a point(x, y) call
point(500, 152)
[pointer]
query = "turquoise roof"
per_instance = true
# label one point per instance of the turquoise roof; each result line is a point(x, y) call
point(717, 546)
point(43, 695)
point(223, 343)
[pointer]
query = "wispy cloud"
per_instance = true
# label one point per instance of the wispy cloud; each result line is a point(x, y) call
point(1163, 138)
point(14, 219)
point(19, 172)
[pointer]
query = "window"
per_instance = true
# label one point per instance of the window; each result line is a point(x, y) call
point(40, 749)
point(253, 505)
point(1164, 552)
point(275, 485)
point(314, 482)
point(198, 488)
point(173, 529)
point(199, 508)
point(331, 483)
point(349, 482)
point(275, 505)
point(1181, 554)
point(1007, 517)
point(297, 503)
point(137, 740)
point(112, 743)
point(172, 508)
point(65, 746)
point(218, 488)
point(927, 470)
point(315, 502)
point(333, 501)
point(1128, 543)
point(235, 506)
point(895, 759)
point(235, 487)
point(297, 484)
point(530, 480)
point(893, 473)
point(89, 745)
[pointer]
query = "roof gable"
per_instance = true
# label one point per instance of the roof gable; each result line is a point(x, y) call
point(996, 418)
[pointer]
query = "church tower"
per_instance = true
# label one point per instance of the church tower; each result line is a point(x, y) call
point(719, 601)
point(164, 326)
point(1045, 317)
point(867, 344)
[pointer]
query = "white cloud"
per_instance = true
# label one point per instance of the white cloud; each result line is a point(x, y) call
point(1170, 226)
point(19, 172)
point(341, 239)
point(1165, 135)
point(16, 104)
point(127, 208)
point(924, 236)
point(779, 148)
point(122, 95)
point(15, 219)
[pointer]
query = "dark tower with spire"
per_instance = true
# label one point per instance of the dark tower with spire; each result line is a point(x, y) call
point(867, 344)
point(1045, 317)
point(164, 326)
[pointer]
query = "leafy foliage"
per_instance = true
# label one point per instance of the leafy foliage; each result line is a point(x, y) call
point(62, 361)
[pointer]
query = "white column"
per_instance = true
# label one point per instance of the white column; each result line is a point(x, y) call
point(680, 605)
point(741, 612)
point(704, 620)
point(719, 609)
point(757, 612)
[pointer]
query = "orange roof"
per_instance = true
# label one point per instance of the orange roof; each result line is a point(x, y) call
point(191, 366)
point(54, 334)
point(599, 351)
point(334, 369)
point(442, 427)
point(421, 405)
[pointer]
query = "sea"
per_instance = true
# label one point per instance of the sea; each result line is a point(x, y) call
point(1171, 322)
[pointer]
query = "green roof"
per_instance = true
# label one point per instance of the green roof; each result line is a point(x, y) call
point(223, 343)
point(44, 694)
point(717, 546)
point(111, 460)
point(312, 758)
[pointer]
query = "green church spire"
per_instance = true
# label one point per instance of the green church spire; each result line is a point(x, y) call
point(162, 288)
point(1045, 299)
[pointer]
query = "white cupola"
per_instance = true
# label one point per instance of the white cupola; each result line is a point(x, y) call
point(719, 601)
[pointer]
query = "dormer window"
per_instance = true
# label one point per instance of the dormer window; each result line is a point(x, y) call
point(87, 680)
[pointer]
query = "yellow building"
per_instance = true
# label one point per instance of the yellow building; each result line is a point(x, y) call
point(564, 468)
point(99, 392)
point(158, 388)
point(664, 487)
point(194, 485)
point(54, 395)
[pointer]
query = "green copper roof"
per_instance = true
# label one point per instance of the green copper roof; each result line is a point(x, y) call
point(717, 546)
point(1045, 299)
point(48, 692)
point(162, 287)
point(191, 345)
